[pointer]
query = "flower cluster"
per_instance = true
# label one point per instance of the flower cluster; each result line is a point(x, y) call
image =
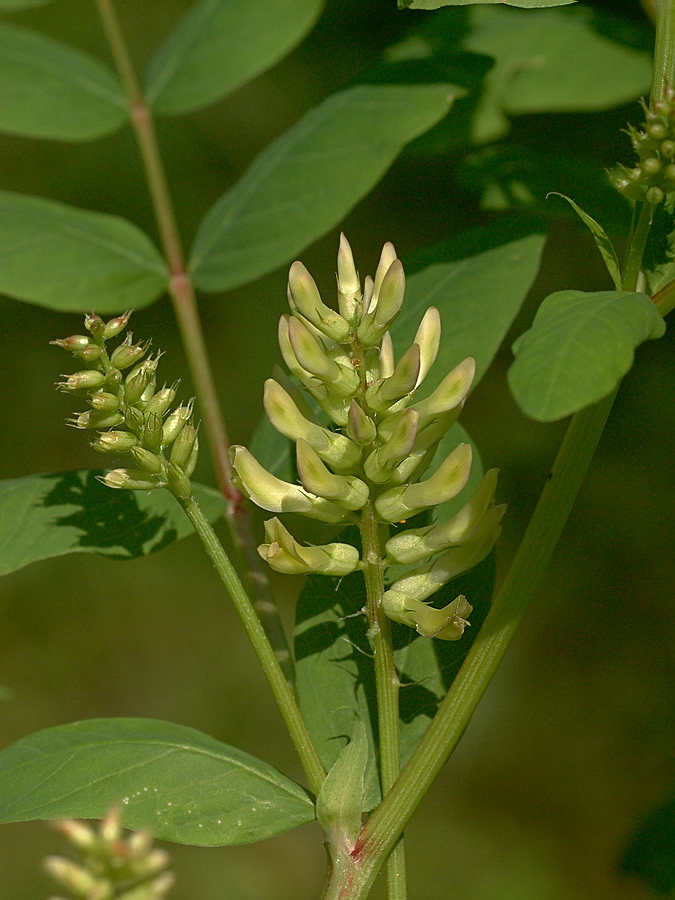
point(380, 443)
point(111, 865)
point(654, 175)
point(132, 416)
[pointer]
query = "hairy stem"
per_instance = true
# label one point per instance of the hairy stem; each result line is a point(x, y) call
point(182, 293)
point(286, 701)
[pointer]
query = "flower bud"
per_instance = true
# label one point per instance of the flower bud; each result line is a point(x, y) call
point(134, 419)
point(388, 300)
point(71, 875)
point(447, 481)
point(338, 451)
point(152, 433)
point(347, 491)
point(77, 343)
point(348, 283)
point(450, 393)
point(127, 354)
point(76, 833)
point(360, 427)
point(387, 258)
point(284, 554)
point(94, 418)
point(147, 461)
point(381, 395)
point(343, 380)
point(191, 464)
point(85, 380)
point(447, 624)
point(386, 361)
point(178, 482)
point(337, 408)
point(175, 422)
point(275, 495)
point(102, 400)
point(161, 401)
point(181, 449)
point(381, 462)
point(116, 326)
point(307, 302)
point(138, 380)
point(114, 442)
point(94, 324)
point(428, 337)
point(289, 356)
point(130, 480)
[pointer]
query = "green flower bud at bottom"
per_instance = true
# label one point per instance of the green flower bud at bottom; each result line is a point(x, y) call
point(130, 480)
point(178, 482)
point(115, 326)
point(114, 442)
point(94, 418)
point(89, 378)
point(146, 460)
point(446, 624)
point(102, 400)
point(346, 490)
point(284, 554)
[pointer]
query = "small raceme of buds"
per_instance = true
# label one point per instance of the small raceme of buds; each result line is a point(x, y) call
point(369, 453)
point(133, 417)
point(111, 864)
point(653, 176)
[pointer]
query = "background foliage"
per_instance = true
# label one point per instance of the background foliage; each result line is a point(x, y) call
point(571, 746)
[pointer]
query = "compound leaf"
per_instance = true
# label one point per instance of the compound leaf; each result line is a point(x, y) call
point(181, 783)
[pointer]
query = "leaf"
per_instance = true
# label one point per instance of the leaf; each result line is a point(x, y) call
point(220, 45)
point(306, 181)
point(534, 71)
point(73, 260)
point(602, 242)
point(42, 516)
point(650, 854)
point(579, 348)
point(478, 280)
point(50, 90)
point(184, 785)
point(339, 806)
point(335, 678)
point(436, 4)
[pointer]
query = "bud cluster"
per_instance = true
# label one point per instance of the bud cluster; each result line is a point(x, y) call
point(112, 866)
point(379, 446)
point(654, 174)
point(133, 417)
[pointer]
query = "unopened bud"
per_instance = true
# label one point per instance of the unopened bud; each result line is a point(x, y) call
point(147, 461)
point(75, 343)
point(181, 449)
point(115, 442)
point(313, 358)
point(447, 624)
point(381, 462)
point(388, 300)
point(450, 393)
point(175, 422)
point(102, 400)
point(307, 302)
point(116, 326)
point(348, 491)
point(161, 401)
point(76, 833)
point(191, 464)
point(360, 427)
point(381, 395)
point(85, 380)
point(130, 480)
point(284, 554)
point(71, 875)
point(128, 354)
point(94, 324)
point(178, 482)
point(428, 337)
point(348, 283)
point(94, 418)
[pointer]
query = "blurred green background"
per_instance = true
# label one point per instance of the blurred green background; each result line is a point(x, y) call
point(572, 745)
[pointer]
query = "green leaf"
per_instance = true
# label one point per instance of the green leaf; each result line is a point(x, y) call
point(650, 854)
point(602, 242)
point(184, 785)
point(16, 5)
point(478, 280)
point(306, 181)
point(535, 72)
point(220, 45)
point(50, 90)
point(339, 806)
point(335, 677)
point(42, 516)
point(524, 4)
point(73, 260)
point(579, 348)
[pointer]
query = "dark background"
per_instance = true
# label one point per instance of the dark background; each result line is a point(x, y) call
point(572, 743)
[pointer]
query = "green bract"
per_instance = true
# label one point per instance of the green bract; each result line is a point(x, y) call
point(383, 440)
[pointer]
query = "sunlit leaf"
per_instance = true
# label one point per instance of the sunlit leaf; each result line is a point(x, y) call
point(72, 512)
point(74, 260)
point(220, 45)
point(579, 347)
point(50, 90)
point(307, 180)
point(181, 783)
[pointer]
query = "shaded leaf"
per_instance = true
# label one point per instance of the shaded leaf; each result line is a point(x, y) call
point(579, 348)
point(273, 450)
point(74, 260)
point(602, 242)
point(50, 90)
point(478, 280)
point(220, 45)
point(524, 4)
point(335, 677)
point(303, 183)
point(650, 854)
point(42, 516)
point(181, 783)
point(16, 5)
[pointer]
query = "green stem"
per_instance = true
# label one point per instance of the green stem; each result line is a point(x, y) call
point(182, 293)
point(664, 50)
point(382, 830)
point(636, 248)
point(386, 682)
point(288, 706)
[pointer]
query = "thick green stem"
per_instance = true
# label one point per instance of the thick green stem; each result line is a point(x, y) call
point(185, 308)
point(386, 682)
point(636, 248)
point(664, 50)
point(288, 706)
